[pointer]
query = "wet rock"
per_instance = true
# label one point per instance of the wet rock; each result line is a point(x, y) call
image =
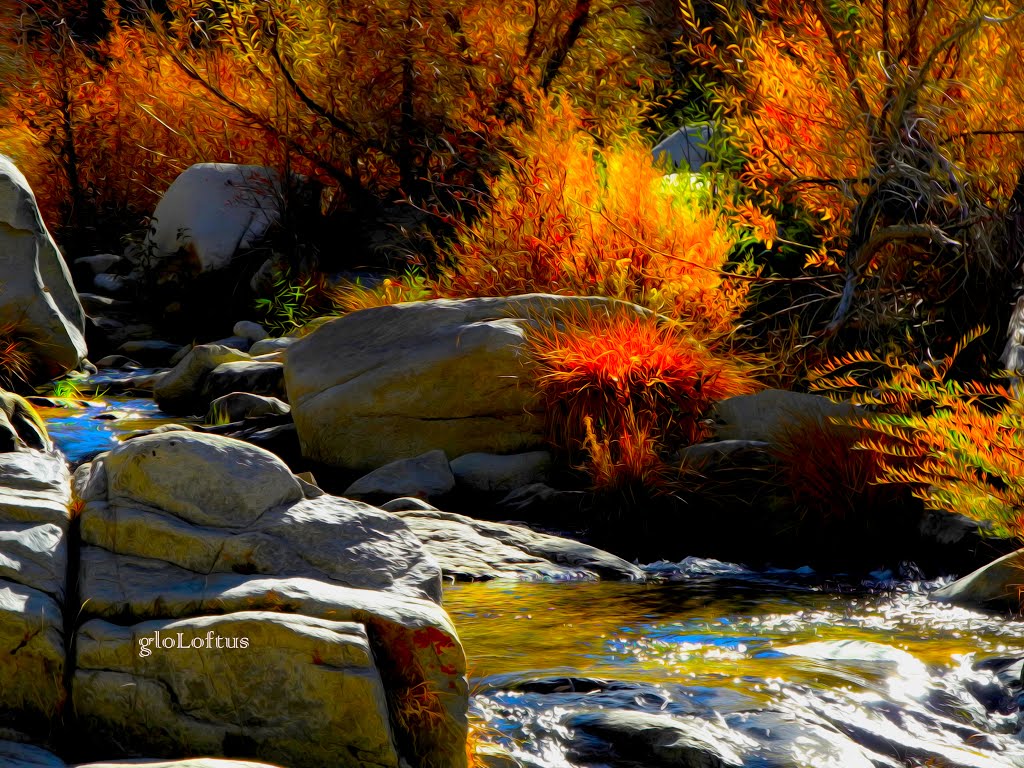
point(638, 739)
point(118, 361)
point(489, 473)
point(539, 502)
point(474, 550)
point(255, 377)
point(20, 425)
point(118, 286)
point(428, 476)
point(241, 343)
point(996, 586)
point(241, 405)
point(95, 265)
point(180, 391)
point(95, 305)
point(386, 383)
point(38, 299)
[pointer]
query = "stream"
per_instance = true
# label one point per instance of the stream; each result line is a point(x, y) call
point(710, 664)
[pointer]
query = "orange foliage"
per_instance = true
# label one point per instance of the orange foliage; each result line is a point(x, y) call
point(102, 128)
point(816, 95)
point(958, 445)
point(569, 218)
point(624, 387)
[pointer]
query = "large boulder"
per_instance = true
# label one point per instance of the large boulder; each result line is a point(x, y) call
point(38, 302)
point(210, 213)
point(34, 520)
point(392, 382)
point(348, 659)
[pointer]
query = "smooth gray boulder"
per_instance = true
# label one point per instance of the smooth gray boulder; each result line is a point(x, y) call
point(202, 479)
point(428, 476)
point(210, 213)
point(490, 473)
point(765, 416)
point(390, 382)
point(250, 330)
point(37, 297)
point(475, 550)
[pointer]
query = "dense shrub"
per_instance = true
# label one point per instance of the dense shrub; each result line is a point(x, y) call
point(622, 390)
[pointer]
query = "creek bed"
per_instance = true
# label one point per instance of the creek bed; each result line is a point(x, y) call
point(710, 664)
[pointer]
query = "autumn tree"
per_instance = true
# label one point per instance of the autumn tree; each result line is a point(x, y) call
point(409, 99)
point(892, 129)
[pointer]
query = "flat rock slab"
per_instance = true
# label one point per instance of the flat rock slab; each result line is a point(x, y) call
point(191, 696)
point(474, 550)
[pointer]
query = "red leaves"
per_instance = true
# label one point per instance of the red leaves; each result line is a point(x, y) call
point(622, 386)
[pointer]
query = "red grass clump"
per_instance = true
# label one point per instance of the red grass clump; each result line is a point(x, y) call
point(625, 387)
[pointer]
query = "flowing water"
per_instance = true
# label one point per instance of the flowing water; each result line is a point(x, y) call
point(858, 674)
point(711, 664)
